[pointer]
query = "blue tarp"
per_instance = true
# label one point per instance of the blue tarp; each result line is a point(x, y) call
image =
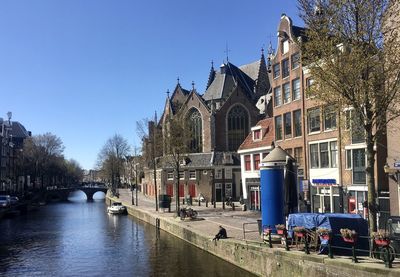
point(334, 222)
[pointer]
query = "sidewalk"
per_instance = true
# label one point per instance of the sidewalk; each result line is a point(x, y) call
point(210, 218)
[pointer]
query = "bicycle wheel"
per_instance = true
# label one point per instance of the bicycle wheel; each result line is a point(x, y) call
point(392, 253)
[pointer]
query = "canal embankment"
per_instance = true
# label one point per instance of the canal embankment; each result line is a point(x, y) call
point(251, 255)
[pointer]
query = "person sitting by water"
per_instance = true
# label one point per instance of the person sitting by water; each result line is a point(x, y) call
point(221, 234)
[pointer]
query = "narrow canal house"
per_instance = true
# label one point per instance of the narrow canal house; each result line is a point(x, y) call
point(218, 120)
point(330, 157)
point(253, 150)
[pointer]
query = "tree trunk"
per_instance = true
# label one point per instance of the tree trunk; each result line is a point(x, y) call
point(177, 204)
point(372, 210)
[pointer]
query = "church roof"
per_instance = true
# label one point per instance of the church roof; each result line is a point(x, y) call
point(226, 80)
point(251, 69)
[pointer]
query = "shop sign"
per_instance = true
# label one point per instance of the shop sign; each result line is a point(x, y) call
point(323, 182)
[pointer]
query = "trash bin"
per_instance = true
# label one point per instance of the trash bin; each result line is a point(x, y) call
point(188, 200)
point(164, 201)
point(244, 207)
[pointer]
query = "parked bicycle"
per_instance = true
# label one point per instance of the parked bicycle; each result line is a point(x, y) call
point(188, 213)
point(229, 202)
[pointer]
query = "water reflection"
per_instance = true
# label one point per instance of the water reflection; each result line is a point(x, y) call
point(79, 238)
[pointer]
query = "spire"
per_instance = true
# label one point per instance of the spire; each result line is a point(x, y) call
point(193, 85)
point(262, 83)
point(227, 50)
point(168, 91)
point(211, 76)
point(177, 79)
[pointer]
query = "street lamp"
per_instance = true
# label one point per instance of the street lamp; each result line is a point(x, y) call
point(136, 183)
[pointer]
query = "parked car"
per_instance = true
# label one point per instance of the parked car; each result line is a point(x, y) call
point(5, 201)
point(14, 200)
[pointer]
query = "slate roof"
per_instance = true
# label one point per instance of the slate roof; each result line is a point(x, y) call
point(219, 158)
point(224, 83)
point(18, 130)
point(194, 160)
point(266, 140)
point(299, 31)
point(251, 69)
point(200, 160)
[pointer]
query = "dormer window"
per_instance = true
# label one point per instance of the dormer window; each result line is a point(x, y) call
point(257, 133)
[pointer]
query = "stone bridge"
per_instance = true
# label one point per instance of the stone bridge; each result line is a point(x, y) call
point(62, 194)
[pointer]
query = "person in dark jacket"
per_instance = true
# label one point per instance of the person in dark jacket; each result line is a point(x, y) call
point(221, 234)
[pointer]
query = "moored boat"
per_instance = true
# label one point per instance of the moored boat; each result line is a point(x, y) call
point(116, 208)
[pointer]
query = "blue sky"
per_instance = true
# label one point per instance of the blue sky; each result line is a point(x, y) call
point(85, 70)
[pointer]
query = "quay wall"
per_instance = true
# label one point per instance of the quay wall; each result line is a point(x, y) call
point(258, 258)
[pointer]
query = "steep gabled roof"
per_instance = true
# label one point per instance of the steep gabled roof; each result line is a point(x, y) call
point(18, 130)
point(267, 136)
point(226, 80)
point(251, 69)
point(194, 93)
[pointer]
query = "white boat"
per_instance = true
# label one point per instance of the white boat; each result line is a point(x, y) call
point(116, 208)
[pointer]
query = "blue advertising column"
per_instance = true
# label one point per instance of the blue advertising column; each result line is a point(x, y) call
point(272, 203)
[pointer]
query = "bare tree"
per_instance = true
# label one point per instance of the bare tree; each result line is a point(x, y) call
point(110, 159)
point(176, 140)
point(152, 147)
point(42, 158)
point(353, 55)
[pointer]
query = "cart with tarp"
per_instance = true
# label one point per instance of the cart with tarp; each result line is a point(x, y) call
point(333, 222)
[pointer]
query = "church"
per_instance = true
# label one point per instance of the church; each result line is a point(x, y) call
point(218, 121)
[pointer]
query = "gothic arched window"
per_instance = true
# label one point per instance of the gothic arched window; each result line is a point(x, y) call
point(196, 131)
point(238, 127)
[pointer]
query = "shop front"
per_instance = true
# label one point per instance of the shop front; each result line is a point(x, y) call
point(325, 196)
point(254, 197)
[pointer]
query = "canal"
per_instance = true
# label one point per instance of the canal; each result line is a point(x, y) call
point(79, 238)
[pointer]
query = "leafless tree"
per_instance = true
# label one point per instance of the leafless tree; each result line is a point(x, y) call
point(111, 157)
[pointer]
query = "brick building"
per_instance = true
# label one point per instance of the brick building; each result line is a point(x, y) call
point(218, 121)
point(330, 156)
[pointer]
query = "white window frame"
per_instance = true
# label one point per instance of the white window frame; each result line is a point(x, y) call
point(170, 175)
point(228, 173)
point(191, 172)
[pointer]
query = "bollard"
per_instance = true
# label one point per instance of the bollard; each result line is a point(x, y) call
point(286, 241)
point(206, 203)
point(233, 206)
point(215, 204)
point(354, 259)
point(223, 203)
point(183, 201)
point(199, 203)
point(306, 249)
point(269, 237)
point(330, 252)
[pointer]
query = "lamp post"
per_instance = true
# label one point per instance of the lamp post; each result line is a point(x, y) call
point(136, 183)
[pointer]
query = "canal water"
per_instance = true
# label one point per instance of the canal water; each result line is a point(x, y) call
point(79, 238)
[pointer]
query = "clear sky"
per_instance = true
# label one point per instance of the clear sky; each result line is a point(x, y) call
point(85, 70)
